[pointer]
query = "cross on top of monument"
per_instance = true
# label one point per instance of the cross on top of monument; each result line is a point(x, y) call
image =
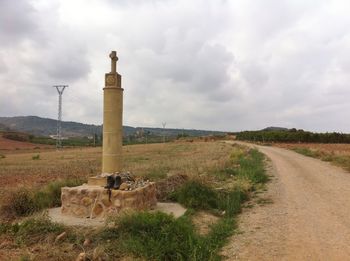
point(114, 59)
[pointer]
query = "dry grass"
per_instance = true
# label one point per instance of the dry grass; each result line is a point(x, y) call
point(202, 160)
point(152, 160)
point(337, 154)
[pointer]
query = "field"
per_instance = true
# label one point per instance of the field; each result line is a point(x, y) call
point(337, 154)
point(220, 177)
point(37, 167)
point(7, 145)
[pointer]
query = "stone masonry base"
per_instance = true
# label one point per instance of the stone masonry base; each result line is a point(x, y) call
point(87, 201)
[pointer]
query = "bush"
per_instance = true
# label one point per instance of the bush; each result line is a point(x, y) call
point(24, 202)
point(20, 203)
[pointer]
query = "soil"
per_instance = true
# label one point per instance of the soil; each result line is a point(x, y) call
point(308, 218)
point(10, 145)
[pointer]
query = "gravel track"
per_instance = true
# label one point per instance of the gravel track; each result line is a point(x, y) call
point(309, 218)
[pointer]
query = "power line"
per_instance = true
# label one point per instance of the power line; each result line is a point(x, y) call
point(60, 89)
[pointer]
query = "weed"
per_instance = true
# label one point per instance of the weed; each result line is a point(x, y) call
point(2, 156)
point(36, 157)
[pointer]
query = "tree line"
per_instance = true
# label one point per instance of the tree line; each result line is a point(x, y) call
point(293, 136)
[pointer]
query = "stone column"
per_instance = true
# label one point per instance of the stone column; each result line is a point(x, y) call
point(112, 119)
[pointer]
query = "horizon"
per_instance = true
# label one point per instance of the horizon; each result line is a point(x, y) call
point(176, 128)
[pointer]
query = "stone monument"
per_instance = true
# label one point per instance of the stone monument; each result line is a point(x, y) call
point(94, 199)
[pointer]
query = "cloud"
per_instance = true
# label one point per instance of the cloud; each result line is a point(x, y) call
point(225, 65)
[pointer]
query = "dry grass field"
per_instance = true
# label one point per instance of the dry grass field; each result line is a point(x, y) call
point(337, 154)
point(221, 178)
point(38, 167)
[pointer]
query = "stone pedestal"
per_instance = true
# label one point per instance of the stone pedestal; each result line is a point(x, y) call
point(88, 201)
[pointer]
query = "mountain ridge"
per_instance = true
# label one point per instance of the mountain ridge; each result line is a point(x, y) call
point(45, 127)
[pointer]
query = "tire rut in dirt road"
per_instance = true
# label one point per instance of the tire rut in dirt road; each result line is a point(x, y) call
point(309, 218)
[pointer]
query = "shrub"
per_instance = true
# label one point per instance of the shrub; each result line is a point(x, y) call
point(19, 203)
point(24, 202)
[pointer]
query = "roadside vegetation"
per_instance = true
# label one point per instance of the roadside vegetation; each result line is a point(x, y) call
point(337, 154)
point(26, 201)
point(292, 136)
point(220, 178)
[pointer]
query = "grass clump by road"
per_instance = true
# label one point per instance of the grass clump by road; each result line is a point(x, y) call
point(252, 167)
point(336, 159)
point(159, 236)
point(25, 201)
point(307, 152)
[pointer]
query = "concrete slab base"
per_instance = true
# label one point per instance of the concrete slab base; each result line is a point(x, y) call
point(56, 215)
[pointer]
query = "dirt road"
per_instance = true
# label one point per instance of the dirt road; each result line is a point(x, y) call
point(309, 218)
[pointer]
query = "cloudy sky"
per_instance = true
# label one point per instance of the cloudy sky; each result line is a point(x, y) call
point(215, 64)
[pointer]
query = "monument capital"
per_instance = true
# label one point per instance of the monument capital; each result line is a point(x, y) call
point(114, 59)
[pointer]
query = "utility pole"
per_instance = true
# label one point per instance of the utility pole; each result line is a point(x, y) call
point(163, 124)
point(60, 89)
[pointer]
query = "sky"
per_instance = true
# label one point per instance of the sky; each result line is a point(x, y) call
point(225, 65)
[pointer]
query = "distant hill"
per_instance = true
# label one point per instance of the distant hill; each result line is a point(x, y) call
point(275, 129)
point(44, 127)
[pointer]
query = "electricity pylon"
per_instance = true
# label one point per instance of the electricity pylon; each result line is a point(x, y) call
point(60, 89)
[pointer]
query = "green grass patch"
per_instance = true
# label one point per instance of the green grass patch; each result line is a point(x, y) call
point(32, 230)
point(196, 195)
point(307, 152)
point(252, 167)
point(159, 236)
